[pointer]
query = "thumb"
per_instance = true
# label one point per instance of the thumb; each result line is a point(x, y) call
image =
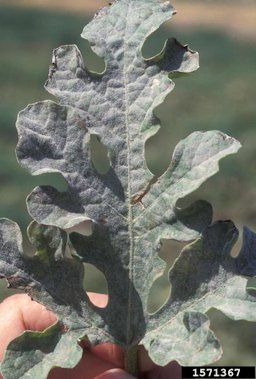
point(115, 373)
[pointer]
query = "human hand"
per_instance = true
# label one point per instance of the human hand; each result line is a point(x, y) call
point(19, 313)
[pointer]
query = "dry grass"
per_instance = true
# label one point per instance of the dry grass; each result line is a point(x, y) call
point(234, 18)
point(238, 19)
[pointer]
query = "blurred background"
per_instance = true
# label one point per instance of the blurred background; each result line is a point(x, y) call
point(221, 95)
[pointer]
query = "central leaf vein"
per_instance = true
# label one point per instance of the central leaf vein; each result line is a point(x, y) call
point(130, 211)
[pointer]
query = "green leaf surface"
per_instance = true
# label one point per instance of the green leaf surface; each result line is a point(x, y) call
point(131, 210)
point(54, 279)
point(33, 354)
point(204, 276)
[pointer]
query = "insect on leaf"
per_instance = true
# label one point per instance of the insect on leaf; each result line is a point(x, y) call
point(131, 210)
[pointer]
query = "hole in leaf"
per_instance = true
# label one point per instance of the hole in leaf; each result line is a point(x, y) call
point(93, 62)
point(251, 286)
point(99, 155)
point(236, 339)
point(54, 179)
point(161, 289)
point(158, 163)
point(84, 228)
point(95, 281)
point(159, 293)
point(5, 291)
point(165, 139)
point(155, 42)
point(238, 245)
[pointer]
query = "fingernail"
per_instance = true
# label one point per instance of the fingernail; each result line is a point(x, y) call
point(115, 374)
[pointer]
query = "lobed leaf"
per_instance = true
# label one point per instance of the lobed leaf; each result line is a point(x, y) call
point(131, 210)
point(54, 279)
point(204, 276)
point(33, 354)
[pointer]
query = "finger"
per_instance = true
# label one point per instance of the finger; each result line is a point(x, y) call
point(11, 325)
point(145, 363)
point(98, 299)
point(172, 370)
point(89, 367)
point(109, 352)
point(35, 316)
point(115, 374)
point(114, 353)
point(19, 313)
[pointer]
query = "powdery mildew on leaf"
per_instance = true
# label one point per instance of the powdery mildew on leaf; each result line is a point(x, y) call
point(130, 209)
point(56, 280)
point(204, 276)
